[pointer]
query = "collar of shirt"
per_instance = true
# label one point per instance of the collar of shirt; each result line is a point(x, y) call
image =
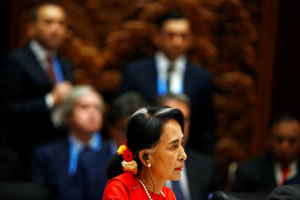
point(177, 75)
point(278, 173)
point(40, 53)
point(94, 143)
point(113, 146)
point(162, 64)
point(76, 147)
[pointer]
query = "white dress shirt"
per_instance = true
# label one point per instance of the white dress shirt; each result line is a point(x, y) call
point(177, 75)
point(41, 55)
point(278, 173)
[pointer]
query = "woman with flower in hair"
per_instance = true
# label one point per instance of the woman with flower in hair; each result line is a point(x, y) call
point(151, 155)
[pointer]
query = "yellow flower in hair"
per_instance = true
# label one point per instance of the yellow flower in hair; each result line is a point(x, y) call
point(121, 149)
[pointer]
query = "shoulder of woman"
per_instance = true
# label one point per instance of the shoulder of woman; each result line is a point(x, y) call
point(125, 180)
point(115, 189)
point(169, 193)
point(124, 186)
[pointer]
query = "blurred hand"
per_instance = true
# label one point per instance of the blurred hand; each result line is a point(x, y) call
point(60, 91)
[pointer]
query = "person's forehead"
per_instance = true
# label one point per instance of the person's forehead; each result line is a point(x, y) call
point(171, 131)
point(89, 97)
point(287, 128)
point(182, 25)
point(51, 11)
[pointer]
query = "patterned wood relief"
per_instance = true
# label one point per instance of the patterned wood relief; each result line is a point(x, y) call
point(106, 34)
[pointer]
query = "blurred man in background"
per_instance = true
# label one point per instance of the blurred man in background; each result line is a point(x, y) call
point(33, 81)
point(170, 71)
point(75, 167)
point(279, 165)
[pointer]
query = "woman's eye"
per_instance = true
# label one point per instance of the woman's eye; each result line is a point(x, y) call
point(175, 146)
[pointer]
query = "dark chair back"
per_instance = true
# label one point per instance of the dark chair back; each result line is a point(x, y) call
point(221, 195)
point(24, 191)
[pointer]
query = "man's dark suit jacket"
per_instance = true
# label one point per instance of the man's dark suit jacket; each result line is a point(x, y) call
point(257, 175)
point(50, 166)
point(141, 77)
point(24, 85)
point(201, 171)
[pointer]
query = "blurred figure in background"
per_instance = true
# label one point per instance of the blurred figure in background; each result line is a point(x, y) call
point(170, 71)
point(34, 80)
point(198, 174)
point(279, 165)
point(116, 119)
point(75, 167)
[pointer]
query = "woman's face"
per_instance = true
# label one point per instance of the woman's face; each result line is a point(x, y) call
point(168, 157)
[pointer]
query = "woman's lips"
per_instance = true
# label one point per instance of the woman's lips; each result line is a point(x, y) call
point(179, 168)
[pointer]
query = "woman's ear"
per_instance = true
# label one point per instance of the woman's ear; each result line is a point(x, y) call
point(144, 157)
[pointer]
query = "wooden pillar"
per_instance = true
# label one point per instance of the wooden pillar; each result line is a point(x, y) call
point(266, 62)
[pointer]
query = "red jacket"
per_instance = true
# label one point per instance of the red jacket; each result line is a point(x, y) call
point(126, 186)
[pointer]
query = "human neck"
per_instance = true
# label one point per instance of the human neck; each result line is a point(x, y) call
point(83, 137)
point(155, 185)
point(45, 47)
point(172, 59)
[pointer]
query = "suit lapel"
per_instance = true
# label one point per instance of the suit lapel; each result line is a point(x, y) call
point(152, 75)
point(66, 69)
point(64, 157)
point(269, 172)
point(34, 69)
point(186, 78)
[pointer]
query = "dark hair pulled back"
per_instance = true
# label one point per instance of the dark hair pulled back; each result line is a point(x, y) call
point(143, 132)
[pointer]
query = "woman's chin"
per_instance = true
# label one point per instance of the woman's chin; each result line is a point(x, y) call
point(176, 177)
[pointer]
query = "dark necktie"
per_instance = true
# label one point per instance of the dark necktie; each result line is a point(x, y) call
point(285, 172)
point(169, 74)
point(83, 172)
point(84, 157)
point(50, 69)
point(177, 190)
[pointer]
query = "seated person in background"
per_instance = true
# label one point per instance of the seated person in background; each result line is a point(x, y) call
point(117, 116)
point(75, 167)
point(279, 165)
point(170, 71)
point(197, 178)
point(33, 80)
point(152, 154)
point(285, 192)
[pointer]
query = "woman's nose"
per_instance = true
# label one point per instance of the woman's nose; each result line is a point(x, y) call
point(182, 155)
